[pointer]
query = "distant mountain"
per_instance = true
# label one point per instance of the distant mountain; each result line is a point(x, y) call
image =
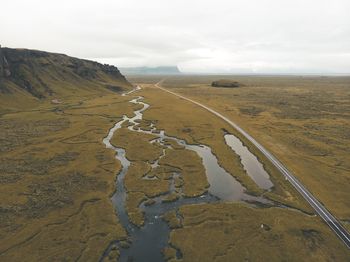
point(160, 70)
point(41, 74)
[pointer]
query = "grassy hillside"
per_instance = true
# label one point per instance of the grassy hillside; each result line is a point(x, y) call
point(28, 76)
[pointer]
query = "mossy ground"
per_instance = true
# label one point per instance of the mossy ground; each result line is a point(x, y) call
point(196, 125)
point(236, 232)
point(144, 183)
point(57, 177)
point(222, 232)
point(304, 121)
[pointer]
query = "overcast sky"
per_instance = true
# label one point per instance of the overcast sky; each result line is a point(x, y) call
point(233, 36)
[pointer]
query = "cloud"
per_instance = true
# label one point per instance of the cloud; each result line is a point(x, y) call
point(260, 36)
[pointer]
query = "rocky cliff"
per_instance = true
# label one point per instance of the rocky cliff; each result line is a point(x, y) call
point(4, 66)
point(43, 74)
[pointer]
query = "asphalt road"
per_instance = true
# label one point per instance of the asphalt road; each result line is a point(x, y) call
point(331, 221)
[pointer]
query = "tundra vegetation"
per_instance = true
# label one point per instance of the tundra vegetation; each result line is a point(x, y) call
point(304, 121)
point(57, 177)
point(280, 233)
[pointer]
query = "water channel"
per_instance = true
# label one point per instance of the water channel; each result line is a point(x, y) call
point(147, 242)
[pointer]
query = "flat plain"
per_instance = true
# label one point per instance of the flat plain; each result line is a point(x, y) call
point(304, 121)
point(57, 177)
point(286, 124)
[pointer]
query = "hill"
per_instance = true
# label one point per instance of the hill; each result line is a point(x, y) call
point(160, 70)
point(37, 75)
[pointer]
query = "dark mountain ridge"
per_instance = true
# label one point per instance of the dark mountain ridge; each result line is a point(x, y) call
point(43, 74)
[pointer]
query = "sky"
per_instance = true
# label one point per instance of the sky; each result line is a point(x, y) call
point(217, 36)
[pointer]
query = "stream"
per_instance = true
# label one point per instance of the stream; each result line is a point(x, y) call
point(146, 243)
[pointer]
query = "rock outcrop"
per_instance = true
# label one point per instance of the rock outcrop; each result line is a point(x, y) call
point(226, 83)
point(1, 64)
point(42, 73)
point(4, 66)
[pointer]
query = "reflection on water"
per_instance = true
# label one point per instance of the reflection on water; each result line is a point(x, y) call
point(250, 162)
point(147, 242)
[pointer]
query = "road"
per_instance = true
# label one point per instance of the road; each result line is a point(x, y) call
point(331, 221)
